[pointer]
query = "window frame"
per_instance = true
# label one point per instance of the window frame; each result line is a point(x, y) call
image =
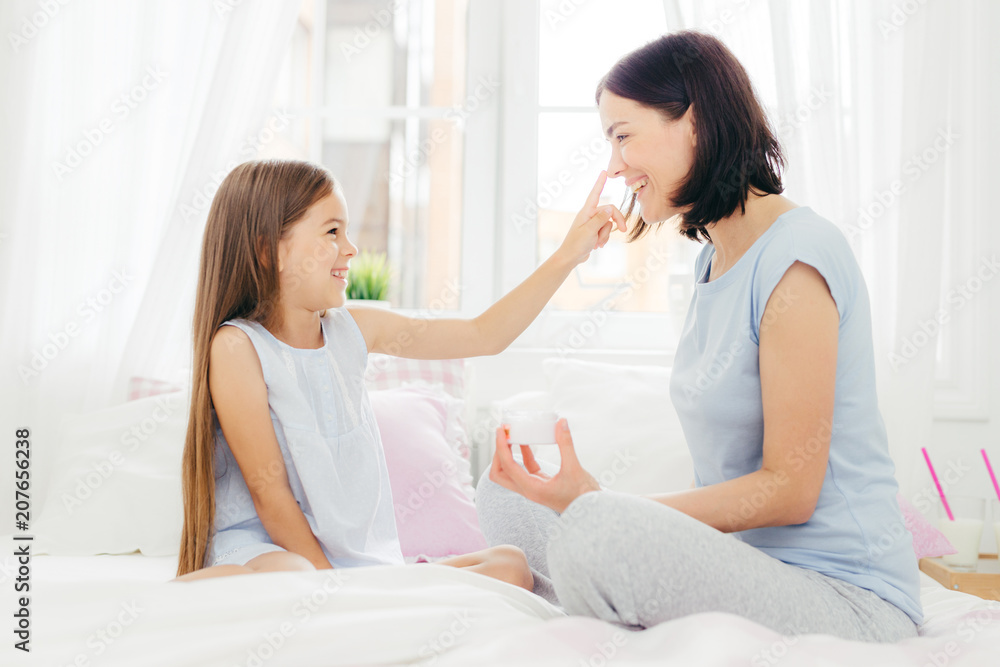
point(514, 253)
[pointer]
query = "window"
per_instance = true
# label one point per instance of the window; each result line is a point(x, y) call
point(638, 292)
point(572, 149)
point(465, 149)
point(377, 89)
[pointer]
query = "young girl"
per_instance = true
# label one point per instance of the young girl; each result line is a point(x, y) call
point(283, 465)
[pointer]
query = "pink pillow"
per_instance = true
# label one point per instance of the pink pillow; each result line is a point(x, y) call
point(388, 372)
point(928, 541)
point(431, 486)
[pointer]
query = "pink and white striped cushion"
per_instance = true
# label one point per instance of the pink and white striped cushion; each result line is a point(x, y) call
point(386, 372)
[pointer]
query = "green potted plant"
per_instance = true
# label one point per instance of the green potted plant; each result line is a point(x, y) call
point(368, 279)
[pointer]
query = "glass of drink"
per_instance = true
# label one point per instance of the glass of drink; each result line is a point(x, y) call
point(964, 531)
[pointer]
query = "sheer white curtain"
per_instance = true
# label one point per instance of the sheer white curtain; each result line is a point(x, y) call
point(857, 91)
point(115, 114)
point(236, 85)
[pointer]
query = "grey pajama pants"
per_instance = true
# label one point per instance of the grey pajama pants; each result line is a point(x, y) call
point(636, 562)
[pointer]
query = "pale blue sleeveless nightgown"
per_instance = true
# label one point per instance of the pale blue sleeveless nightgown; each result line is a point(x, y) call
point(331, 447)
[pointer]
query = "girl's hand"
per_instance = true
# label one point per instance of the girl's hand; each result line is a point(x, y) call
point(556, 492)
point(592, 226)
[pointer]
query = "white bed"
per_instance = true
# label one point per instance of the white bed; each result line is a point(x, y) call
point(107, 496)
point(419, 614)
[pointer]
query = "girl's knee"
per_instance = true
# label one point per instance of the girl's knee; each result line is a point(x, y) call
point(214, 571)
point(280, 561)
point(511, 565)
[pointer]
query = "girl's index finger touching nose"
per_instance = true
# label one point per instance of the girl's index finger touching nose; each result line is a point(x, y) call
point(595, 194)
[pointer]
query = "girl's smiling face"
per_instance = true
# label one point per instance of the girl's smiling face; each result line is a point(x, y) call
point(653, 154)
point(313, 256)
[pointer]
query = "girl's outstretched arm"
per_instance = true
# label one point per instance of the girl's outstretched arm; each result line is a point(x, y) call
point(236, 382)
point(490, 333)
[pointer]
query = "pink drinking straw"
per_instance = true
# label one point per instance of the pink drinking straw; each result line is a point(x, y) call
point(993, 478)
point(944, 501)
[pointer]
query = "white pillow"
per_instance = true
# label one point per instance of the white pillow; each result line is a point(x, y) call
point(116, 483)
point(624, 426)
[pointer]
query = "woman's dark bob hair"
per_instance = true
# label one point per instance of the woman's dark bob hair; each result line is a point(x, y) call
point(736, 150)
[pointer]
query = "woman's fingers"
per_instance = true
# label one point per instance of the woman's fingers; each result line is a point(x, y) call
point(498, 471)
point(604, 235)
point(567, 453)
point(511, 475)
point(595, 193)
point(530, 464)
point(504, 459)
point(608, 215)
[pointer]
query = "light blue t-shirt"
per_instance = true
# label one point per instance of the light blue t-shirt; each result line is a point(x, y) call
point(331, 448)
point(856, 533)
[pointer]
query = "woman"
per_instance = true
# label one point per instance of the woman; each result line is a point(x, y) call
point(774, 383)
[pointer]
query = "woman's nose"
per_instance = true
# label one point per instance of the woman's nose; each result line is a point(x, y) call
point(617, 165)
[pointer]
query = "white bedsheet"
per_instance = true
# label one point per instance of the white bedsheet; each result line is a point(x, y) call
point(117, 610)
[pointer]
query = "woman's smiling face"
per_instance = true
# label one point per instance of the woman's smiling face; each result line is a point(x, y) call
point(653, 154)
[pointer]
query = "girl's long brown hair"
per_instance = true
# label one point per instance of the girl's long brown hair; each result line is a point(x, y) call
point(255, 205)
